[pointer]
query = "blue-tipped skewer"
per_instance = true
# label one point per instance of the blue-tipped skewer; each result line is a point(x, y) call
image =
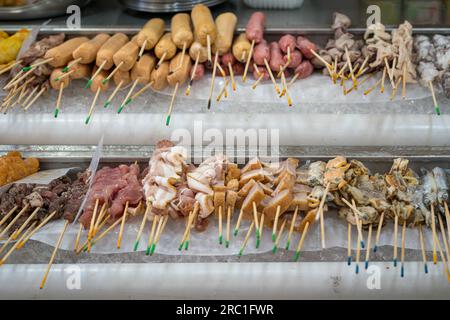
point(425, 268)
point(357, 269)
point(402, 271)
point(349, 261)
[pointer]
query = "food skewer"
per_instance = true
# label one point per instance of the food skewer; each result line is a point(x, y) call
point(437, 109)
point(447, 219)
point(122, 224)
point(422, 246)
point(358, 250)
point(444, 237)
point(247, 237)
point(91, 226)
point(21, 243)
point(223, 91)
point(15, 246)
point(402, 269)
point(278, 238)
point(277, 89)
point(158, 235)
point(188, 90)
point(141, 228)
point(127, 97)
point(377, 238)
point(9, 214)
point(13, 221)
point(275, 224)
point(349, 244)
point(43, 89)
point(300, 243)
point(261, 229)
point(238, 223)
point(91, 109)
point(227, 239)
point(155, 222)
point(212, 80)
point(395, 239)
point(16, 233)
point(172, 101)
point(321, 217)
point(11, 66)
point(355, 212)
point(255, 219)
point(220, 226)
point(291, 228)
point(78, 237)
point(52, 258)
point(433, 230)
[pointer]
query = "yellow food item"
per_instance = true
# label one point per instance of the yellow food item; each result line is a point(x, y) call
point(13, 167)
point(10, 47)
point(3, 35)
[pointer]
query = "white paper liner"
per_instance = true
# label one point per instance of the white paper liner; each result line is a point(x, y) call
point(207, 244)
point(315, 89)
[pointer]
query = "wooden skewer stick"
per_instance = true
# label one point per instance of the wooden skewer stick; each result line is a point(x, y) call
point(58, 101)
point(223, 91)
point(186, 231)
point(227, 240)
point(442, 257)
point(156, 219)
point(278, 238)
point(373, 87)
point(291, 228)
point(355, 212)
point(13, 221)
point(20, 79)
point(230, 70)
point(220, 226)
point(43, 89)
point(128, 98)
point(141, 228)
point(402, 268)
point(275, 224)
point(160, 62)
point(183, 51)
point(444, 237)
point(25, 224)
point(255, 84)
point(100, 68)
point(358, 250)
point(77, 239)
point(255, 219)
point(91, 226)
point(65, 75)
point(71, 64)
point(271, 76)
point(422, 246)
point(102, 235)
point(14, 247)
point(208, 46)
point(350, 67)
point(326, 64)
point(169, 112)
point(244, 53)
point(284, 67)
point(294, 78)
point(9, 214)
point(247, 237)
point(189, 225)
point(247, 64)
point(24, 92)
point(158, 234)
point(91, 109)
point(122, 224)
point(85, 246)
point(141, 52)
point(383, 78)
point(9, 84)
point(112, 73)
point(377, 238)
point(261, 229)
point(99, 220)
point(194, 70)
point(30, 96)
point(11, 66)
point(437, 109)
point(37, 64)
point(362, 68)
point(52, 258)
point(322, 222)
point(286, 90)
point(447, 219)
point(7, 242)
point(349, 243)
point(300, 243)
point(213, 80)
point(433, 230)
point(238, 223)
point(22, 242)
point(113, 94)
point(395, 239)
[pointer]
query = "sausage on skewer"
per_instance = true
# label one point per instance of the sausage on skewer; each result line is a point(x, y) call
point(204, 27)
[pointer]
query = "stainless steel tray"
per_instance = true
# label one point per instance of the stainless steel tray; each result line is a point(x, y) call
point(40, 9)
point(166, 5)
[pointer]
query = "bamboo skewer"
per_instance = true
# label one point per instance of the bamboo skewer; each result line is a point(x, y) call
point(238, 223)
point(437, 109)
point(447, 219)
point(99, 220)
point(227, 241)
point(231, 72)
point(350, 67)
point(383, 78)
point(355, 212)
point(77, 239)
point(247, 63)
point(191, 220)
point(358, 250)
point(402, 268)
point(9, 214)
point(122, 224)
point(223, 91)
point(141, 229)
point(127, 99)
point(220, 226)
point(442, 257)
point(261, 229)
point(91, 226)
point(377, 238)
point(34, 99)
point(13, 221)
point(247, 237)
point(271, 76)
point(58, 101)
point(300, 243)
point(156, 219)
point(113, 94)
point(326, 64)
point(322, 222)
point(186, 231)
point(52, 258)
point(349, 244)
point(194, 70)
point(15, 246)
point(100, 68)
point(444, 237)
point(65, 75)
point(275, 224)
point(291, 228)
point(112, 73)
point(286, 90)
point(172, 101)
point(10, 67)
point(373, 87)
point(213, 79)
point(278, 238)
point(255, 219)
point(362, 68)
point(10, 83)
point(21, 243)
point(433, 230)
point(158, 234)
point(255, 84)
point(395, 239)
point(208, 45)
point(102, 235)
point(141, 52)
point(394, 91)
point(91, 109)
point(25, 224)
point(404, 82)
point(422, 246)
point(294, 78)
point(158, 229)
point(71, 64)
point(30, 96)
